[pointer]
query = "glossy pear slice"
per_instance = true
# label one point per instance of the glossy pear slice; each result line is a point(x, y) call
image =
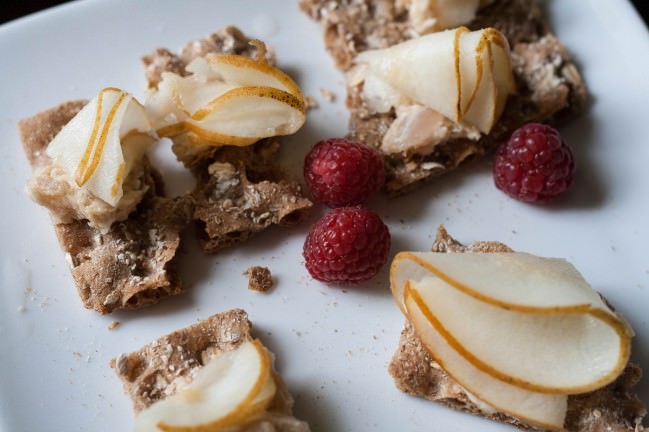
point(422, 69)
point(466, 76)
point(247, 114)
point(90, 146)
point(246, 72)
point(486, 76)
point(545, 411)
point(535, 322)
point(219, 396)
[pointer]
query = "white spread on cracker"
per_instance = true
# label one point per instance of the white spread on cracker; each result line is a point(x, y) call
point(95, 169)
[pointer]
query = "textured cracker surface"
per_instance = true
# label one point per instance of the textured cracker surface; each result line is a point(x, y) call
point(132, 265)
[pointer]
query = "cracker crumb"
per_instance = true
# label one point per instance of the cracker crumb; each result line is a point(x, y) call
point(327, 94)
point(259, 278)
point(310, 102)
point(113, 325)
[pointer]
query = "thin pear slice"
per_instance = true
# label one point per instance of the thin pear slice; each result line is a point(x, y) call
point(551, 353)
point(90, 146)
point(227, 100)
point(246, 72)
point(491, 77)
point(545, 411)
point(563, 337)
point(218, 396)
point(247, 114)
point(422, 69)
point(481, 109)
point(466, 76)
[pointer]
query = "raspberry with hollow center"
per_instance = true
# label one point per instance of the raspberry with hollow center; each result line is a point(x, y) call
point(340, 172)
point(535, 165)
point(349, 244)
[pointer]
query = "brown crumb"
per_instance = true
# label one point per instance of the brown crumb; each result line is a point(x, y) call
point(259, 278)
point(310, 102)
point(114, 325)
point(327, 94)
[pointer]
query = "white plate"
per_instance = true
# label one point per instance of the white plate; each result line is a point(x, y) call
point(332, 345)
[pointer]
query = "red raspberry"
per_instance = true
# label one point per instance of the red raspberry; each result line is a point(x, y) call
point(535, 165)
point(349, 244)
point(343, 173)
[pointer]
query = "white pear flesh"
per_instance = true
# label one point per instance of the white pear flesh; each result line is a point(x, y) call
point(246, 72)
point(546, 411)
point(219, 395)
point(422, 69)
point(465, 76)
point(547, 353)
point(90, 149)
point(535, 322)
point(250, 113)
point(227, 100)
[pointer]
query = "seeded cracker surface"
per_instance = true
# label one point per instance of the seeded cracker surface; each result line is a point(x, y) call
point(159, 369)
point(549, 85)
point(132, 265)
point(614, 408)
point(240, 190)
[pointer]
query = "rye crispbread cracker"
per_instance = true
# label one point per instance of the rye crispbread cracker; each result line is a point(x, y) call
point(614, 408)
point(550, 87)
point(157, 370)
point(240, 191)
point(132, 265)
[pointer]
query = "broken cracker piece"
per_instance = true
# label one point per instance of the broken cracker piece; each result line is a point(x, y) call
point(240, 191)
point(132, 265)
point(259, 279)
point(166, 366)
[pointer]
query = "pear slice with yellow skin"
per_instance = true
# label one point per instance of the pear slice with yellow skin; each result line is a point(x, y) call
point(91, 146)
point(246, 72)
point(544, 411)
point(227, 100)
point(542, 306)
point(246, 114)
point(465, 76)
point(422, 69)
point(219, 396)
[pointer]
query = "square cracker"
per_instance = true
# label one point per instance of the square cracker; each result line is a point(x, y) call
point(614, 408)
point(550, 87)
point(131, 266)
point(153, 372)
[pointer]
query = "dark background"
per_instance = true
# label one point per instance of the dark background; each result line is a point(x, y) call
point(16, 8)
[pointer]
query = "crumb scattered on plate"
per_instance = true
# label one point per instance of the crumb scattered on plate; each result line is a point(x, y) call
point(259, 278)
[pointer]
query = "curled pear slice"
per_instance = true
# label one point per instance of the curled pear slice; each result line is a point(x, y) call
point(535, 322)
point(100, 145)
point(465, 76)
point(545, 411)
point(227, 99)
point(421, 69)
point(246, 114)
point(219, 396)
point(244, 71)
